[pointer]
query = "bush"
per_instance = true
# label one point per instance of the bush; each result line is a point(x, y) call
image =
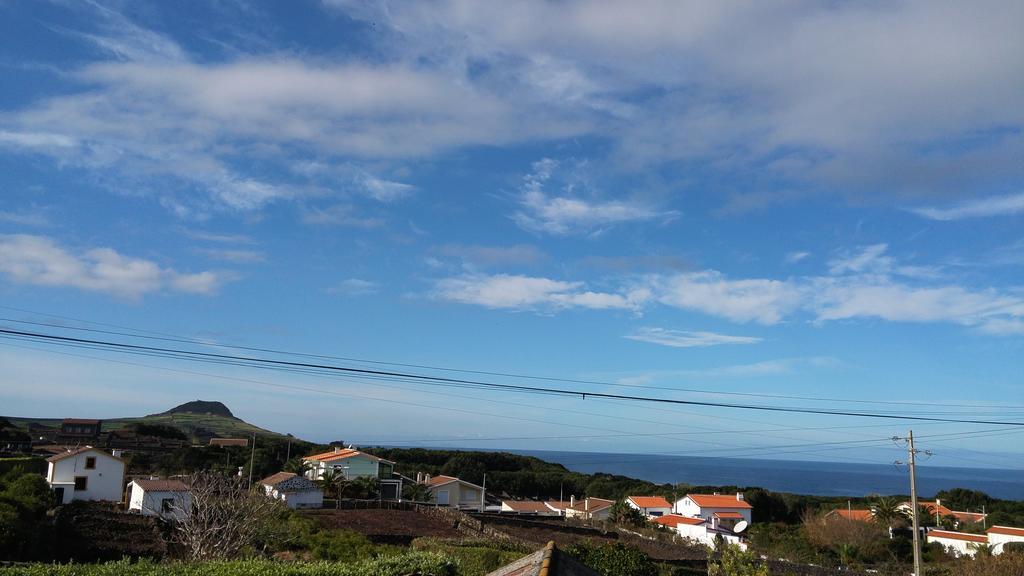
point(614, 559)
point(425, 563)
point(731, 561)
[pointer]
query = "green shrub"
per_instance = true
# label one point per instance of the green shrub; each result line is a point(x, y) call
point(614, 559)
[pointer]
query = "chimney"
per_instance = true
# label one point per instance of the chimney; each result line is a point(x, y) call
point(337, 449)
point(714, 522)
point(419, 477)
point(572, 500)
point(739, 496)
point(426, 478)
point(716, 494)
point(586, 504)
point(115, 453)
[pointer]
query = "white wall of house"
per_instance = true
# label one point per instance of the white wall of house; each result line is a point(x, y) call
point(687, 507)
point(103, 481)
point(999, 540)
point(652, 512)
point(702, 535)
point(294, 500)
point(151, 502)
point(955, 546)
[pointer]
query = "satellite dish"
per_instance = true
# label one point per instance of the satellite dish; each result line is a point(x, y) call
point(740, 526)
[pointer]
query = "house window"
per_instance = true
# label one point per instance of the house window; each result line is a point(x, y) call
point(90, 463)
point(166, 505)
point(81, 483)
point(442, 497)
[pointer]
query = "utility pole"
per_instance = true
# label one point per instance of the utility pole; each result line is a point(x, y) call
point(913, 504)
point(252, 459)
point(483, 491)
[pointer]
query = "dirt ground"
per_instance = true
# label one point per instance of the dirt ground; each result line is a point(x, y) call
point(376, 524)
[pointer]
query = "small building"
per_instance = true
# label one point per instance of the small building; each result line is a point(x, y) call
point(167, 499)
point(590, 509)
point(1000, 536)
point(351, 463)
point(530, 507)
point(81, 428)
point(650, 506)
point(453, 492)
point(86, 474)
point(957, 543)
point(240, 442)
point(855, 514)
point(712, 506)
point(700, 530)
point(294, 490)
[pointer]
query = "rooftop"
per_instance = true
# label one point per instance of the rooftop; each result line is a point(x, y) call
point(649, 501)
point(719, 501)
point(958, 536)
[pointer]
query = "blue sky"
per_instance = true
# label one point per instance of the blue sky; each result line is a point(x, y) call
point(816, 199)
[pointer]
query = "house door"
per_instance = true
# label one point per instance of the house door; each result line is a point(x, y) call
point(442, 497)
point(59, 494)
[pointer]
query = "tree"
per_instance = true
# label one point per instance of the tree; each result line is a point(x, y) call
point(623, 513)
point(614, 559)
point(886, 511)
point(416, 492)
point(298, 466)
point(731, 561)
point(225, 518)
point(333, 484)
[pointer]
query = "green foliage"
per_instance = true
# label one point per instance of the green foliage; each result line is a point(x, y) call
point(24, 464)
point(24, 501)
point(780, 540)
point(474, 557)
point(426, 563)
point(344, 546)
point(731, 561)
point(623, 513)
point(614, 559)
point(158, 430)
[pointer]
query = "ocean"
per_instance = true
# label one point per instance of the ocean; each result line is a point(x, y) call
point(800, 477)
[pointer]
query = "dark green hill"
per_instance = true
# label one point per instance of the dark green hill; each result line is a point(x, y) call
point(212, 408)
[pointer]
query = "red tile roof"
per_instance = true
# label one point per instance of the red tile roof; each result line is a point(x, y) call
point(275, 479)
point(729, 515)
point(342, 453)
point(860, 515)
point(440, 479)
point(1007, 530)
point(157, 485)
point(673, 520)
point(969, 516)
point(650, 501)
point(718, 501)
point(557, 504)
point(526, 506)
point(958, 536)
point(595, 504)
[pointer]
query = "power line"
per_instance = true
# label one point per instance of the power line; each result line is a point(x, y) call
point(165, 337)
point(265, 362)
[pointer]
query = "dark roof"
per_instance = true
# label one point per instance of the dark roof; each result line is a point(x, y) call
point(157, 485)
point(79, 421)
point(76, 452)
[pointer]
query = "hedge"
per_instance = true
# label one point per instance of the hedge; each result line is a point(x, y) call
point(29, 464)
point(424, 563)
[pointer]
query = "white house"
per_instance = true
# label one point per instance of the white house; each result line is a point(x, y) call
point(294, 490)
point(589, 509)
point(86, 474)
point(168, 499)
point(700, 530)
point(551, 508)
point(650, 506)
point(453, 492)
point(1000, 536)
point(351, 464)
point(715, 508)
point(957, 543)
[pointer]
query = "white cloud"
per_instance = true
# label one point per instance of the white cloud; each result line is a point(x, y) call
point(870, 258)
point(991, 206)
point(569, 213)
point(35, 140)
point(794, 257)
point(355, 287)
point(338, 215)
point(751, 300)
point(525, 293)
point(236, 256)
point(25, 217)
point(686, 338)
point(219, 238)
point(39, 260)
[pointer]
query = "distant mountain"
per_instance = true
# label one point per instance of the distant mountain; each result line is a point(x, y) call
point(199, 420)
point(211, 408)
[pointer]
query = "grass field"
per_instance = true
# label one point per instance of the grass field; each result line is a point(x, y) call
point(195, 425)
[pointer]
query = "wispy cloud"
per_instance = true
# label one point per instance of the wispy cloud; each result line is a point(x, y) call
point(529, 293)
point(983, 207)
point(338, 215)
point(219, 238)
point(686, 338)
point(39, 260)
point(236, 256)
point(36, 218)
point(354, 287)
point(794, 257)
point(566, 212)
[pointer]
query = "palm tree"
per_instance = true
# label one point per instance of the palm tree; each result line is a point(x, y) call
point(333, 484)
point(298, 466)
point(981, 549)
point(886, 510)
point(416, 492)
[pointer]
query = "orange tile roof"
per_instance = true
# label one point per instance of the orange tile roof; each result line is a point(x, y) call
point(718, 501)
point(860, 515)
point(969, 516)
point(595, 504)
point(650, 501)
point(673, 520)
point(1007, 530)
point(342, 453)
point(275, 479)
point(729, 515)
point(958, 536)
point(557, 504)
point(441, 479)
